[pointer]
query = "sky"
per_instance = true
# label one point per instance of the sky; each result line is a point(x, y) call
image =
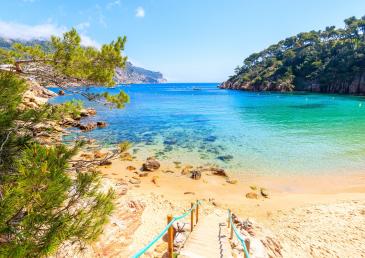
point(186, 40)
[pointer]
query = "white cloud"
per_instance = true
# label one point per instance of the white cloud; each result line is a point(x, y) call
point(112, 4)
point(82, 26)
point(140, 12)
point(12, 30)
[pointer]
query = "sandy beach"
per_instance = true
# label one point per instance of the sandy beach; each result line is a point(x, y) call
point(318, 216)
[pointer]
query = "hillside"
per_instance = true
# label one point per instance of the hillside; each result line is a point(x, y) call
point(332, 60)
point(130, 74)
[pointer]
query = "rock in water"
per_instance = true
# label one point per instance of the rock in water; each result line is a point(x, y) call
point(151, 164)
point(61, 92)
point(101, 124)
point(87, 127)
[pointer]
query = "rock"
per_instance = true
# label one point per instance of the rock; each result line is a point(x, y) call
point(196, 174)
point(218, 172)
point(186, 170)
point(151, 164)
point(135, 181)
point(130, 168)
point(87, 112)
point(232, 181)
point(61, 92)
point(101, 124)
point(192, 193)
point(87, 127)
point(105, 163)
point(225, 158)
point(264, 193)
point(252, 195)
point(91, 111)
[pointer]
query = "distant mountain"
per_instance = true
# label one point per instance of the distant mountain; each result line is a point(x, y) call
point(134, 74)
point(130, 74)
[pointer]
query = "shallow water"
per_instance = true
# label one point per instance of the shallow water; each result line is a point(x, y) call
point(245, 132)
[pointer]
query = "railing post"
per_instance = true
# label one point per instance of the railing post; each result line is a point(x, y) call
point(229, 218)
point(247, 243)
point(170, 237)
point(197, 212)
point(192, 218)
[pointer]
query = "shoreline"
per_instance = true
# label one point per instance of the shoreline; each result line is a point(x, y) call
point(160, 193)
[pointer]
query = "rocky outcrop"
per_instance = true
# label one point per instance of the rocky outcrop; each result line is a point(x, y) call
point(355, 86)
point(35, 96)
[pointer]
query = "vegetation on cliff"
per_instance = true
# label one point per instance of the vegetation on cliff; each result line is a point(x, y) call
point(44, 201)
point(332, 60)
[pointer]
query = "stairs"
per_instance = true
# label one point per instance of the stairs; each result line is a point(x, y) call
point(209, 239)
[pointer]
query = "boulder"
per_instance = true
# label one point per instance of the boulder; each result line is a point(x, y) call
point(151, 164)
point(61, 92)
point(101, 124)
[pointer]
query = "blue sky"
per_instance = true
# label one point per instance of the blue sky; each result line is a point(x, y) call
point(186, 40)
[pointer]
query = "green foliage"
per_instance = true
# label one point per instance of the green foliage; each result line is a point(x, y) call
point(124, 146)
point(70, 108)
point(118, 100)
point(41, 203)
point(42, 206)
point(322, 57)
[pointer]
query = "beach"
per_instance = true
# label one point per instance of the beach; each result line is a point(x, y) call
point(305, 215)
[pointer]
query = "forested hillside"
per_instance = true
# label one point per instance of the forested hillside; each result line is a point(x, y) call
point(330, 60)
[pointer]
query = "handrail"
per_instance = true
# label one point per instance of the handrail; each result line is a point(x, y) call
point(163, 232)
point(238, 235)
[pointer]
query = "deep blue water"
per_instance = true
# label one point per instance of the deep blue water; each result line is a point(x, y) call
point(246, 132)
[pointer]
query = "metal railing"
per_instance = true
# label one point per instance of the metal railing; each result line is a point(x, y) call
point(170, 231)
point(238, 235)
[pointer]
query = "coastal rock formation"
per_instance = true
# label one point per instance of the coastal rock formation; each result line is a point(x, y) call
point(87, 127)
point(35, 96)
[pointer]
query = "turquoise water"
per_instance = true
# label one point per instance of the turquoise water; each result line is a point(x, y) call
point(245, 132)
